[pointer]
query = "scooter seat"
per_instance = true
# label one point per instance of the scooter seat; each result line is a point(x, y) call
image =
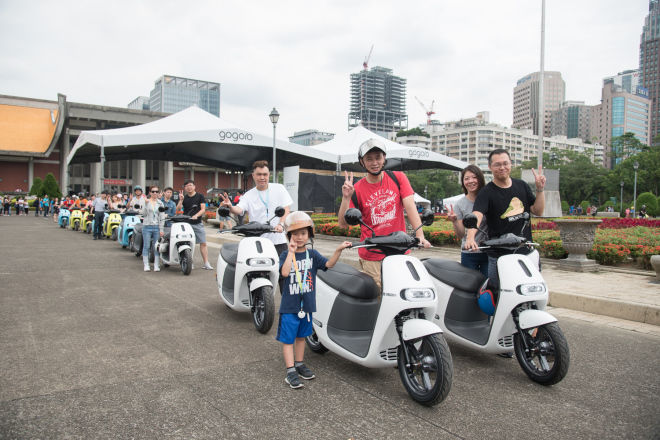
point(349, 281)
point(454, 274)
point(229, 252)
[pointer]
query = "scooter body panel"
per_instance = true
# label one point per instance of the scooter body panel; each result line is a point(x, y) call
point(63, 217)
point(111, 223)
point(181, 237)
point(126, 229)
point(494, 335)
point(257, 260)
point(76, 217)
point(400, 272)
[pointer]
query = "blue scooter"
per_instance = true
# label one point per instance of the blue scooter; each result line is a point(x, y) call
point(63, 217)
point(126, 228)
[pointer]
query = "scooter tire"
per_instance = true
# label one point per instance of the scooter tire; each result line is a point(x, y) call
point(113, 236)
point(263, 309)
point(76, 227)
point(547, 344)
point(430, 360)
point(186, 261)
point(314, 344)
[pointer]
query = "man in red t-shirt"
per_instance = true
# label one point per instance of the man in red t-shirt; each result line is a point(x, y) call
point(381, 202)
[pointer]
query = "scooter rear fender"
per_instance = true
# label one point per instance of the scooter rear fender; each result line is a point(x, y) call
point(417, 328)
point(531, 318)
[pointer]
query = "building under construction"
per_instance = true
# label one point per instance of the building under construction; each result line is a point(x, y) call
point(378, 101)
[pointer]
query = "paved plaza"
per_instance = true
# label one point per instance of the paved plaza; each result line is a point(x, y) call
point(93, 347)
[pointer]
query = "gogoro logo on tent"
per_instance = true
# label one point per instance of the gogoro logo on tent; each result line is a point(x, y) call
point(418, 154)
point(234, 136)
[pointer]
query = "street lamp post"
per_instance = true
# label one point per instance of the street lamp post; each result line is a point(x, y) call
point(274, 117)
point(621, 200)
point(635, 166)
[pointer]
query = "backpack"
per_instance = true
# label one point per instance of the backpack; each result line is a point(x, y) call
point(392, 176)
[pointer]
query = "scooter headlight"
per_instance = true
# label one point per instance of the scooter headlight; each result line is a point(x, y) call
point(418, 294)
point(531, 289)
point(260, 262)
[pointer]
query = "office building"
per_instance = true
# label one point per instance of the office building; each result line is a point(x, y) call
point(649, 62)
point(621, 112)
point(573, 120)
point(526, 100)
point(172, 94)
point(628, 80)
point(473, 141)
point(139, 103)
point(310, 137)
point(378, 101)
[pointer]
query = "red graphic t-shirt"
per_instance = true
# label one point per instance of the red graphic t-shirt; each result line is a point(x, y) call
point(382, 208)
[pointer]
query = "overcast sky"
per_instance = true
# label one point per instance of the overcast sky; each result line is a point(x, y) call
point(298, 55)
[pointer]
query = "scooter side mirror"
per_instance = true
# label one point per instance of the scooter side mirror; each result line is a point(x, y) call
point(162, 209)
point(106, 206)
point(470, 221)
point(279, 211)
point(224, 211)
point(353, 216)
point(137, 206)
point(427, 217)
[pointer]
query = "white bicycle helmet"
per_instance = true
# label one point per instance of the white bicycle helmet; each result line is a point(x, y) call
point(298, 220)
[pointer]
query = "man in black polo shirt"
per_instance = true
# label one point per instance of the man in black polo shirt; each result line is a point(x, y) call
point(194, 205)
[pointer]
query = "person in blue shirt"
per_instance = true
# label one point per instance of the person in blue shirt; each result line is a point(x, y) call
point(170, 206)
point(298, 267)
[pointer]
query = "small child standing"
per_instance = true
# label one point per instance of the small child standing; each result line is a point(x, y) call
point(298, 267)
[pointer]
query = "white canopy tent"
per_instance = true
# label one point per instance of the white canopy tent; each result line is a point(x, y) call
point(194, 135)
point(345, 148)
point(419, 200)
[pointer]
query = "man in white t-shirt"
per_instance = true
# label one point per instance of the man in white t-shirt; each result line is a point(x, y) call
point(260, 203)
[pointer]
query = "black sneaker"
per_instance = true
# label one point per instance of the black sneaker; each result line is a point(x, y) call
point(293, 380)
point(305, 372)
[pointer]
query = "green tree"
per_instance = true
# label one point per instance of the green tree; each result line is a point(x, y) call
point(439, 184)
point(412, 132)
point(50, 186)
point(37, 187)
point(624, 146)
point(650, 201)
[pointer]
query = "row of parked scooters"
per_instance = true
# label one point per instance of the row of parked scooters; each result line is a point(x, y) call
point(175, 247)
point(422, 302)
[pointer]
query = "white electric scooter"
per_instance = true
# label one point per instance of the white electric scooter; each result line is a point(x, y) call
point(247, 271)
point(352, 322)
point(177, 244)
point(520, 322)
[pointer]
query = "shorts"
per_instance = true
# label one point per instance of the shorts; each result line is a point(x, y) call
point(200, 233)
point(292, 327)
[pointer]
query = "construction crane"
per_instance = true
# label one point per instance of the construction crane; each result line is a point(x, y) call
point(365, 64)
point(429, 111)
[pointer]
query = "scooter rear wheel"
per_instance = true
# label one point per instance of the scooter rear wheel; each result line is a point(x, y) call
point(548, 357)
point(263, 309)
point(428, 376)
point(186, 261)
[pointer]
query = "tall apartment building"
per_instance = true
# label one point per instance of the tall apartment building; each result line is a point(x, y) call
point(472, 143)
point(621, 112)
point(649, 62)
point(573, 120)
point(310, 137)
point(378, 101)
point(526, 100)
point(172, 94)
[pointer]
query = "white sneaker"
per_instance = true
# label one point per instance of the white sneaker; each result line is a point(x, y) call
point(207, 266)
point(156, 268)
point(146, 268)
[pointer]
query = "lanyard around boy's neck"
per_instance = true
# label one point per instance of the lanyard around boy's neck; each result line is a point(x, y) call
point(265, 202)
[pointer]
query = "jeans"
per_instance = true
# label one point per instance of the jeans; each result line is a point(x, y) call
point(475, 260)
point(149, 234)
point(98, 223)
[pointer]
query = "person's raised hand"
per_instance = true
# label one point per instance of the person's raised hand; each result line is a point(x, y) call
point(225, 200)
point(451, 216)
point(292, 246)
point(347, 188)
point(539, 179)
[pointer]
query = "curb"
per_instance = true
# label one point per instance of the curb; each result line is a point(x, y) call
point(614, 308)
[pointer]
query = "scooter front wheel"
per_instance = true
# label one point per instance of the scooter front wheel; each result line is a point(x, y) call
point(113, 236)
point(263, 309)
point(186, 261)
point(428, 374)
point(547, 359)
point(314, 344)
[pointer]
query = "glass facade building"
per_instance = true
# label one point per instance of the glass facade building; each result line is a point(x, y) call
point(649, 62)
point(172, 94)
